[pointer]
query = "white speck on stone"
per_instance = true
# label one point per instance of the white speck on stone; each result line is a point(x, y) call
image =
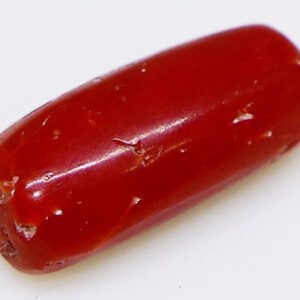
point(243, 117)
point(45, 121)
point(143, 70)
point(7, 189)
point(58, 212)
point(136, 200)
point(37, 194)
point(13, 182)
point(268, 134)
point(183, 150)
point(27, 231)
point(47, 177)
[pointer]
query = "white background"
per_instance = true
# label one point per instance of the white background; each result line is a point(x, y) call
point(243, 243)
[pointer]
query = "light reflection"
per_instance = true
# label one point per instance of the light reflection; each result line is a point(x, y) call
point(160, 130)
point(85, 166)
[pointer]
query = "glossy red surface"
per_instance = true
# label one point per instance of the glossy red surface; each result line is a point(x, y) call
point(136, 146)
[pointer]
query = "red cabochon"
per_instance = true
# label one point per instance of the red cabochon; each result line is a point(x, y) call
point(141, 144)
